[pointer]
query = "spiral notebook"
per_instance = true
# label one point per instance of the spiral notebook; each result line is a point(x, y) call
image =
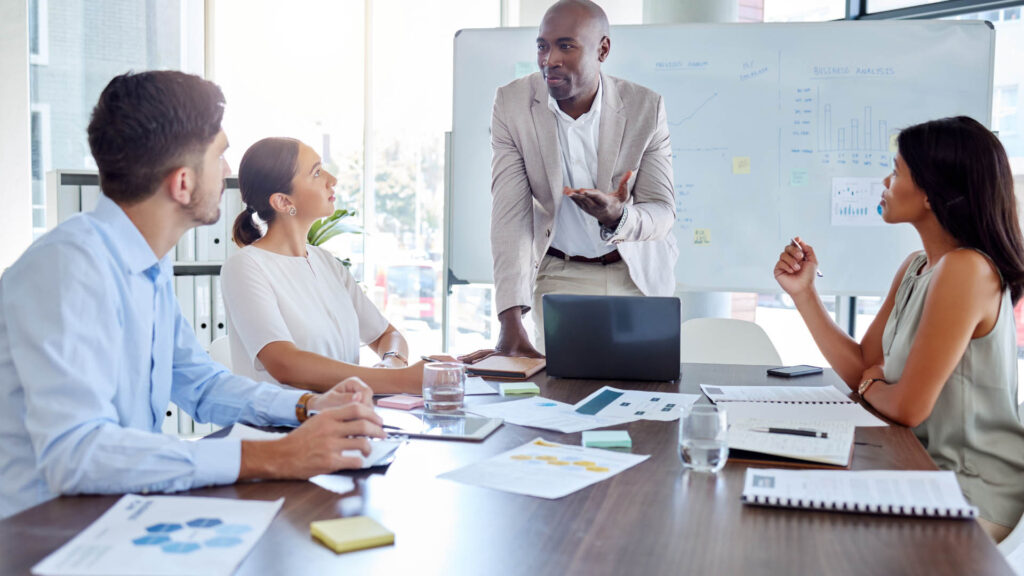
point(892, 492)
point(776, 394)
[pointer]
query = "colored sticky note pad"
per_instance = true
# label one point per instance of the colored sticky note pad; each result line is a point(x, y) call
point(741, 165)
point(518, 388)
point(607, 439)
point(401, 402)
point(348, 534)
point(798, 178)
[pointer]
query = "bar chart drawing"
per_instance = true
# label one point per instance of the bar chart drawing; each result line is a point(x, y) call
point(855, 201)
point(861, 134)
point(862, 137)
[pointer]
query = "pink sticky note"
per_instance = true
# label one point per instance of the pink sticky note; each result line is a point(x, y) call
point(401, 402)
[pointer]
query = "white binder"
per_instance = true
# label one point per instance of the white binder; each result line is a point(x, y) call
point(170, 423)
point(69, 202)
point(185, 290)
point(218, 320)
point(185, 251)
point(210, 240)
point(90, 196)
point(185, 424)
point(203, 312)
point(232, 208)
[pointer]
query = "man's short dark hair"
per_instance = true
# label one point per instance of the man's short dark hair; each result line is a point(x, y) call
point(148, 124)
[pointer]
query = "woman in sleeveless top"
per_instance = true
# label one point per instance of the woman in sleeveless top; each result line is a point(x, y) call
point(941, 355)
point(295, 314)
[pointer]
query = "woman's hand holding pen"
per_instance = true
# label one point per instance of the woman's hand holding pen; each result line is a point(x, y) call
point(796, 268)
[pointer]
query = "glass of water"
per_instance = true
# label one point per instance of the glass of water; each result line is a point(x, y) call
point(702, 438)
point(444, 384)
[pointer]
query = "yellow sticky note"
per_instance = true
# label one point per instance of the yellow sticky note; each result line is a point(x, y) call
point(892, 143)
point(741, 165)
point(702, 236)
point(348, 534)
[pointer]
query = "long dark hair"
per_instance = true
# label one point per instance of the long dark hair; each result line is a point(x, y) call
point(267, 168)
point(963, 170)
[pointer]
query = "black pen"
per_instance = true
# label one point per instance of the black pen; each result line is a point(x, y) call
point(792, 431)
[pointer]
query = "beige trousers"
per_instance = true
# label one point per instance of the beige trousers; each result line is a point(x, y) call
point(558, 276)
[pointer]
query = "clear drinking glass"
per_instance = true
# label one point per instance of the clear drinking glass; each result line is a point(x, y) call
point(444, 384)
point(702, 438)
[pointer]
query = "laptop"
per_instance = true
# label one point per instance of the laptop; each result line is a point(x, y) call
point(611, 337)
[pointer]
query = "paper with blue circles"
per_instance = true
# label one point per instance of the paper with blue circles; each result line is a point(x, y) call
point(163, 535)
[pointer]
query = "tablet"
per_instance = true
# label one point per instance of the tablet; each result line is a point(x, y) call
point(455, 426)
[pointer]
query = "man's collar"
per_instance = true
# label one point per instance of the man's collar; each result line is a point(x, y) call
point(135, 251)
point(595, 108)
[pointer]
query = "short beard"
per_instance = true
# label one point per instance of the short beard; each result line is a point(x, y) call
point(193, 207)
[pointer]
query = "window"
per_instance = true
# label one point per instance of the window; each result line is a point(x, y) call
point(411, 111)
point(38, 32)
point(884, 5)
point(803, 10)
point(89, 45)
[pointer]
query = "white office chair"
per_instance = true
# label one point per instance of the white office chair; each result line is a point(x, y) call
point(726, 341)
point(220, 351)
point(1012, 548)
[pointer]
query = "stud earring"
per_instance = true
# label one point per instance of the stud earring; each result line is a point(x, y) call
point(291, 211)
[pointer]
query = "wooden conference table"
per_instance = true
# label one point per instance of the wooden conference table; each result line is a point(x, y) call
point(650, 519)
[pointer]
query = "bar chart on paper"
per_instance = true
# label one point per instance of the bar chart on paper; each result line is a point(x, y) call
point(855, 202)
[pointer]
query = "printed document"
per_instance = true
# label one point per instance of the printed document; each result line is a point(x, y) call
point(545, 469)
point(164, 535)
point(780, 414)
point(537, 412)
point(835, 450)
point(635, 404)
point(380, 450)
point(780, 394)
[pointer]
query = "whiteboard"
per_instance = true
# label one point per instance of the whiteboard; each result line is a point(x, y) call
point(777, 130)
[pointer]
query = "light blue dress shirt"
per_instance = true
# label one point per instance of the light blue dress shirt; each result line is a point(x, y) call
point(92, 347)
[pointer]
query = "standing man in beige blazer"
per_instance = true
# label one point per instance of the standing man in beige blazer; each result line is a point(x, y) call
point(581, 179)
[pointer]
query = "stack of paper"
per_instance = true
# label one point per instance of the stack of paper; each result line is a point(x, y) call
point(745, 443)
point(904, 493)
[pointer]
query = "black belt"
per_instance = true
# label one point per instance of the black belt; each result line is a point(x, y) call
point(609, 258)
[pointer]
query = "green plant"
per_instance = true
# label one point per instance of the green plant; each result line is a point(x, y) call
point(337, 223)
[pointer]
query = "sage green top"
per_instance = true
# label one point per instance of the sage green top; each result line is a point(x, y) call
point(974, 428)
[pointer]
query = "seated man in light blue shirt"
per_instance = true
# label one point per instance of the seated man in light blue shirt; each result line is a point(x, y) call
point(93, 344)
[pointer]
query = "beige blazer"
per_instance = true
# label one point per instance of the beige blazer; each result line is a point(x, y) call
point(526, 184)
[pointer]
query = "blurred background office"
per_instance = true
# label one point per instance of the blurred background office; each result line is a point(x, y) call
point(368, 83)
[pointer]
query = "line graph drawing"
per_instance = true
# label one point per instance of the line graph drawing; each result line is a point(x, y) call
point(695, 111)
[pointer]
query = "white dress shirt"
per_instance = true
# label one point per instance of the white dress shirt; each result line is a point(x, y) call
point(576, 232)
point(92, 347)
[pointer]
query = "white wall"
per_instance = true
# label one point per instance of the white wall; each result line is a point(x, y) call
point(15, 148)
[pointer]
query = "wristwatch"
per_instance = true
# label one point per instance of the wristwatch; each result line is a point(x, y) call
point(609, 233)
point(863, 388)
point(390, 353)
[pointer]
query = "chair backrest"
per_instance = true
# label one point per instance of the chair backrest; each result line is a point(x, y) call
point(220, 351)
point(1012, 548)
point(726, 341)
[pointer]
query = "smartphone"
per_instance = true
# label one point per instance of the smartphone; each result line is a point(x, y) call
point(794, 371)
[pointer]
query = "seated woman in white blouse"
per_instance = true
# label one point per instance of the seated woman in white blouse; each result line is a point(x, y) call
point(295, 313)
